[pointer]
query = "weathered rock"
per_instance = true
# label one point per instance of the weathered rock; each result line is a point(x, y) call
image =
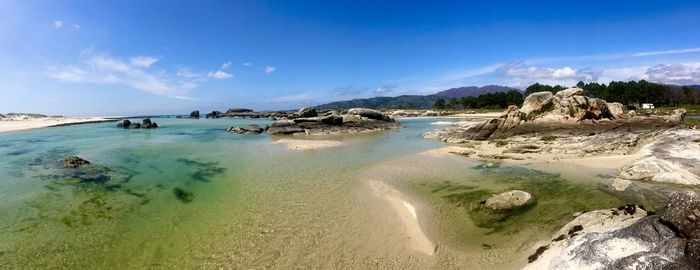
point(354, 121)
point(536, 103)
point(307, 112)
point(74, 162)
point(146, 123)
point(124, 124)
point(215, 114)
point(616, 109)
point(250, 129)
point(508, 200)
point(627, 238)
point(194, 114)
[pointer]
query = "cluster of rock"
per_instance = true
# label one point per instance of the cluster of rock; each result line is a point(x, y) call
point(145, 123)
point(424, 113)
point(239, 112)
point(567, 110)
point(74, 162)
point(627, 238)
point(309, 121)
point(247, 130)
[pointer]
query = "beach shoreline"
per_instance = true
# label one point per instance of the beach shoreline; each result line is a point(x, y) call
point(21, 124)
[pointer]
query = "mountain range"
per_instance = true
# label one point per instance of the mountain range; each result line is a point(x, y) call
point(414, 101)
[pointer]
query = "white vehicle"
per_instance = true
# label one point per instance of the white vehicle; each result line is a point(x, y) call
point(647, 105)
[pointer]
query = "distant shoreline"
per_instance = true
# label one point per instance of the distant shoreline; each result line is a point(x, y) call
point(21, 124)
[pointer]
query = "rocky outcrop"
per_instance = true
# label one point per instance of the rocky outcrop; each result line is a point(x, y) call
point(247, 130)
point(215, 114)
point(508, 200)
point(627, 238)
point(74, 162)
point(568, 111)
point(145, 123)
point(194, 114)
point(353, 121)
point(307, 112)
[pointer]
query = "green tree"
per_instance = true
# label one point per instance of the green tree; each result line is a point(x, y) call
point(453, 104)
point(439, 104)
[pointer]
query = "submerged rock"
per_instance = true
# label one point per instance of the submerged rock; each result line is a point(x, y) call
point(250, 129)
point(508, 200)
point(74, 162)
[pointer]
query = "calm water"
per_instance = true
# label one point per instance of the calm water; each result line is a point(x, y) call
point(190, 195)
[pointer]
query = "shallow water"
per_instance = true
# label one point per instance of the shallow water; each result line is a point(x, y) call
point(190, 195)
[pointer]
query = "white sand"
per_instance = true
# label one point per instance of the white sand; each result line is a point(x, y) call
point(296, 144)
point(406, 212)
point(24, 123)
point(443, 123)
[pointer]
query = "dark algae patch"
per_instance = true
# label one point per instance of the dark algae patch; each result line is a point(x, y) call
point(203, 170)
point(183, 195)
point(537, 254)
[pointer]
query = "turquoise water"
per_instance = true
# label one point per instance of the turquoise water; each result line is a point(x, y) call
point(190, 195)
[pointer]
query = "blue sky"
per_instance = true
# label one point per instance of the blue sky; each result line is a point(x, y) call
point(134, 57)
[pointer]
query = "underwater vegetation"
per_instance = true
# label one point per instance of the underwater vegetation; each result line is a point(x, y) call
point(203, 170)
point(555, 199)
point(183, 195)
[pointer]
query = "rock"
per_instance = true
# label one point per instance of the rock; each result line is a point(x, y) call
point(508, 200)
point(214, 114)
point(194, 114)
point(146, 123)
point(369, 113)
point(627, 238)
point(354, 121)
point(676, 116)
point(616, 109)
point(680, 214)
point(135, 125)
point(307, 112)
point(183, 195)
point(124, 124)
point(238, 110)
point(251, 129)
point(536, 103)
point(74, 162)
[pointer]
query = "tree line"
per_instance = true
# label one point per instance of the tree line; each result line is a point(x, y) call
point(631, 93)
point(498, 100)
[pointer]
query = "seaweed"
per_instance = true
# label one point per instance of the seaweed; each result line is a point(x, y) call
point(537, 254)
point(204, 170)
point(183, 195)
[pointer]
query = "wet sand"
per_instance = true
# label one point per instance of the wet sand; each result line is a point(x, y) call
point(297, 144)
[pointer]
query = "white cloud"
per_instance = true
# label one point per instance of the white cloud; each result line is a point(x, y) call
point(103, 69)
point(57, 24)
point(226, 65)
point(683, 73)
point(247, 64)
point(219, 74)
point(270, 69)
point(143, 61)
point(76, 26)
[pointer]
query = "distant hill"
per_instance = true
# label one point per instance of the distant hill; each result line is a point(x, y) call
point(413, 101)
point(473, 91)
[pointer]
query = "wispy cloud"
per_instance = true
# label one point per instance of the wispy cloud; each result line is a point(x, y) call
point(247, 64)
point(143, 61)
point(226, 65)
point(136, 73)
point(219, 74)
point(270, 69)
point(681, 73)
point(385, 89)
point(75, 26)
point(57, 23)
point(613, 56)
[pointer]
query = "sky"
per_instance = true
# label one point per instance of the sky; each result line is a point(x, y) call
point(80, 58)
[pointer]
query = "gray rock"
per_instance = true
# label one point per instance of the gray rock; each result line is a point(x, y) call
point(354, 121)
point(536, 102)
point(508, 200)
point(616, 109)
point(74, 162)
point(194, 114)
point(307, 112)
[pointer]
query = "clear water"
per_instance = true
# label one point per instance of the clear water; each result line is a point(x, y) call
point(245, 202)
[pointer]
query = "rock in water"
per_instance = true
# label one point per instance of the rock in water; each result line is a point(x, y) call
point(508, 200)
point(251, 129)
point(194, 114)
point(124, 124)
point(355, 121)
point(307, 112)
point(74, 162)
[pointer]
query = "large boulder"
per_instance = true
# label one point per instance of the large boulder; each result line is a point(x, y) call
point(124, 124)
point(683, 215)
point(616, 109)
point(307, 112)
point(194, 114)
point(369, 113)
point(536, 103)
point(508, 200)
point(146, 123)
point(215, 114)
point(74, 162)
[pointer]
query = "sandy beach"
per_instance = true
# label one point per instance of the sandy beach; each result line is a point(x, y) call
point(25, 123)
